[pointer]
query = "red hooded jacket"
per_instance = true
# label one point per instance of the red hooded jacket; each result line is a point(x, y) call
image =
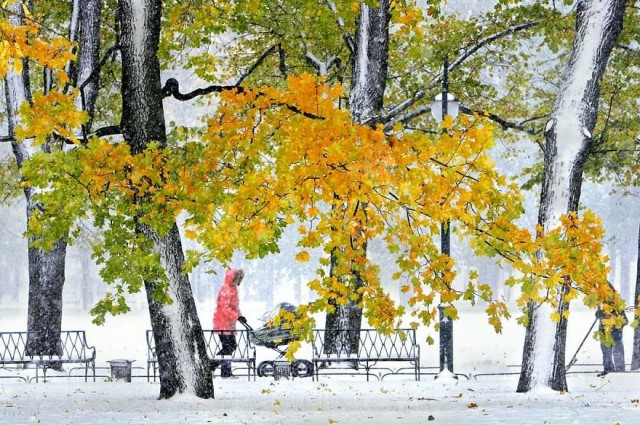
point(227, 304)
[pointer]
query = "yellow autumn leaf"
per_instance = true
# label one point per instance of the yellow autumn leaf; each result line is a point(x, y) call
point(303, 257)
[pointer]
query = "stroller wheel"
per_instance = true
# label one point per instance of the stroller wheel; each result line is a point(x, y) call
point(302, 368)
point(265, 368)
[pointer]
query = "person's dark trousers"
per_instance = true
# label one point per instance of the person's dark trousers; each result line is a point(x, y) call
point(229, 345)
point(613, 357)
point(618, 350)
point(607, 358)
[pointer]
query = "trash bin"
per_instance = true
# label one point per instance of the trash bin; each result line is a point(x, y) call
point(120, 369)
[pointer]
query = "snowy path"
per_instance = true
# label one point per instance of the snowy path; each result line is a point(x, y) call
point(345, 400)
point(488, 400)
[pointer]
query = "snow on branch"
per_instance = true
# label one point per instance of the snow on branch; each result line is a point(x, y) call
point(487, 40)
point(321, 67)
point(419, 95)
point(348, 38)
point(629, 48)
point(502, 122)
point(406, 118)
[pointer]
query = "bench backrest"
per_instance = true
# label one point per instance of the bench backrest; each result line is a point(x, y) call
point(399, 344)
point(72, 345)
point(244, 350)
point(12, 345)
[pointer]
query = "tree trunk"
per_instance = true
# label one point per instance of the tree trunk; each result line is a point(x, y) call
point(88, 57)
point(343, 325)
point(182, 358)
point(635, 356)
point(568, 141)
point(46, 268)
point(625, 278)
point(369, 77)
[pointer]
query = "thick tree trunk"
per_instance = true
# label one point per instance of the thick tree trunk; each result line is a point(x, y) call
point(46, 268)
point(343, 325)
point(568, 140)
point(370, 63)
point(370, 68)
point(635, 356)
point(182, 357)
point(46, 281)
point(88, 56)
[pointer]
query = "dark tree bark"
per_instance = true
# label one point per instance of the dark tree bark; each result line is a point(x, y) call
point(369, 77)
point(46, 268)
point(182, 358)
point(568, 141)
point(88, 56)
point(343, 324)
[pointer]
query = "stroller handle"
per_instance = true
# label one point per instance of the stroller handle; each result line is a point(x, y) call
point(247, 326)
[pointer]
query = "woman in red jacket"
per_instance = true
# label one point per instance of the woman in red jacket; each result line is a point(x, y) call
point(225, 317)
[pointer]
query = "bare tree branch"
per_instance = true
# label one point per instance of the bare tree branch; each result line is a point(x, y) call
point(110, 130)
point(172, 87)
point(257, 64)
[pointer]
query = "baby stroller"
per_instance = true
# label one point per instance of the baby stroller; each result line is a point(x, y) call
point(273, 337)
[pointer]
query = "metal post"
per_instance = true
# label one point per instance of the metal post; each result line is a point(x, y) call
point(446, 341)
point(445, 87)
point(446, 325)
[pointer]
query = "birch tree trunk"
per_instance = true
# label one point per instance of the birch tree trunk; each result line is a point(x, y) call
point(568, 141)
point(182, 358)
point(369, 78)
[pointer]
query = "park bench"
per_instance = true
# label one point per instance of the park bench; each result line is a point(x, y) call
point(72, 348)
point(245, 352)
point(373, 347)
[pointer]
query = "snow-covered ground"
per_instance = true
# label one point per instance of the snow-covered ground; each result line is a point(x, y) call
point(482, 399)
